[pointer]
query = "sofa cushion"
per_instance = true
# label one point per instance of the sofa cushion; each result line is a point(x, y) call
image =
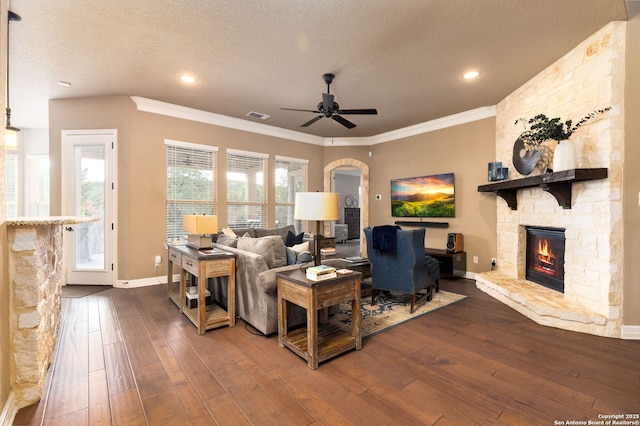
point(226, 240)
point(282, 232)
point(293, 239)
point(270, 247)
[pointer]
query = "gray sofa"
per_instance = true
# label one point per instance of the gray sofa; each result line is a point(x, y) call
point(257, 263)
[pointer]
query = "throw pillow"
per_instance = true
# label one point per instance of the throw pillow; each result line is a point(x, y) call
point(228, 232)
point(282, 232)
point(271, 248)
point(294, 257)
point(299, 248)
point(226, 240)
point(293, 239)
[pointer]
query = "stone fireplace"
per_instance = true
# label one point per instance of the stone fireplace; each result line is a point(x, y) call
point(591, 217)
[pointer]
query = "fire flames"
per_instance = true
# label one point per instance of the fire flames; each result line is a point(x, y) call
point(546, 261)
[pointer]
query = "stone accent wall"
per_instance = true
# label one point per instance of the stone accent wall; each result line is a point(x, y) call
point(35, 274)
point(589, 77)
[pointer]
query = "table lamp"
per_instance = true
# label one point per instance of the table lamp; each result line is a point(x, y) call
point(318, 206)
point(197, 225)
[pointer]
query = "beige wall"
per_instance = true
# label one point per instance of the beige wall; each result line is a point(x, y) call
point(631, 173)
point(464, 150)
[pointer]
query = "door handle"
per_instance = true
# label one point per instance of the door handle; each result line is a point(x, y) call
point(69, 228)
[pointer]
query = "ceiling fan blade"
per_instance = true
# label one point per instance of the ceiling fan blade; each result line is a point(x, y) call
point(346, 123)
point(327, 101)
point(369, 111)
point(303, 110)
point(313, 120)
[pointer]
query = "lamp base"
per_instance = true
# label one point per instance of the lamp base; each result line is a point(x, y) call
point(199, 241)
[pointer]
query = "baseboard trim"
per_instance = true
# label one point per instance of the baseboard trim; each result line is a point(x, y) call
point(144, 282)
point(631, 332)
point(9, 410)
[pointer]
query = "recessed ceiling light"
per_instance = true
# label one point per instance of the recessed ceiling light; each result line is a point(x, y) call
point(471, 74)
point(64, 83)
point(188, 79)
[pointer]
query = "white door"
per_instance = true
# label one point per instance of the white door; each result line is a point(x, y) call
point(88, 190)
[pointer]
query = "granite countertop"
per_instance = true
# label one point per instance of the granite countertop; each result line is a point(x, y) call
point(50, 220)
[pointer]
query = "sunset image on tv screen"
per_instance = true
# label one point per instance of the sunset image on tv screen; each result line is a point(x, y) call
point(424, 196)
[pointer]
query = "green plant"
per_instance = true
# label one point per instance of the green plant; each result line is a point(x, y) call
point(542, 128)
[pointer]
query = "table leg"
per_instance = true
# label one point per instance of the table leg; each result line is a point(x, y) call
point(282, 316)
point(356, 316)
point(312, 329)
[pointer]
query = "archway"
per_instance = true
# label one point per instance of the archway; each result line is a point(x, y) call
point(364, 184)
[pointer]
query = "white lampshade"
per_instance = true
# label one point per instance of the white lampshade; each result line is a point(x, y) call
point(198, 225)
point(317, 206)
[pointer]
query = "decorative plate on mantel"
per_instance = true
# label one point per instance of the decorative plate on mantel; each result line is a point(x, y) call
point(524, 160)
point(527, 161)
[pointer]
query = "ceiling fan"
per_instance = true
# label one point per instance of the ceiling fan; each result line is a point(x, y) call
point(330, 109)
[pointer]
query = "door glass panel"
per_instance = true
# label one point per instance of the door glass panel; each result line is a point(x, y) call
point(90, 180)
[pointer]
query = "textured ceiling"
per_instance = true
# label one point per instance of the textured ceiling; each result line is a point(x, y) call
point(404, 57)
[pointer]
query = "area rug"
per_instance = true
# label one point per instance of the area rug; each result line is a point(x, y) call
point(390, 310)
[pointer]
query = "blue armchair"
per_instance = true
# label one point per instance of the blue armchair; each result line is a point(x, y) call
point(406, 269)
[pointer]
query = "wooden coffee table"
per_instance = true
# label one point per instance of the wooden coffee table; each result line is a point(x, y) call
point(318, 342)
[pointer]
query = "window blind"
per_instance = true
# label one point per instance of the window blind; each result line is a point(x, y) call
point(246, 189)
point(191, 184)
point(290, 177)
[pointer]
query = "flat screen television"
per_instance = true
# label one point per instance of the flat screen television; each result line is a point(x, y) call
point(423, 196)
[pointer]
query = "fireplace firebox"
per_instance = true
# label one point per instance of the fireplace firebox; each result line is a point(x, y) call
point(545, 257)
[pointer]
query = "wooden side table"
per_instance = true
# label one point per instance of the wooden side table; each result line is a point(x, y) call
point(202, 266)
point(318, 342)
point(453, 265)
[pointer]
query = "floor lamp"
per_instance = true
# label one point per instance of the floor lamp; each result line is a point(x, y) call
point(318, 206)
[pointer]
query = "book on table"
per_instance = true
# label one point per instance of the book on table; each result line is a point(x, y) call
point(321, 272)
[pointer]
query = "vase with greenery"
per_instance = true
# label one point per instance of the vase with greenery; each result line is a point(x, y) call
point(542, 128)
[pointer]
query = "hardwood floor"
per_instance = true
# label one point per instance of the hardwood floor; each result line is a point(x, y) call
point(126, 356)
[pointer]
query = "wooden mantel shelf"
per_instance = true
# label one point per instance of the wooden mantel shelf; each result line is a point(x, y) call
point(557, 184)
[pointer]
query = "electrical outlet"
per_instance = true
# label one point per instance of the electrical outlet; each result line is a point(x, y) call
point(475, 259)
point(494, 261)
point(158, 260)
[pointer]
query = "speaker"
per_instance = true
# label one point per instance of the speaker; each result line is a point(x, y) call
point(454, 243)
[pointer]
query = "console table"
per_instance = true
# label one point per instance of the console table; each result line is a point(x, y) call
point(202, 265)
point(451, 264)
point(318, 342)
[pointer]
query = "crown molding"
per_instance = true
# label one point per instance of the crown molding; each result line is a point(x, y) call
point(177, 111)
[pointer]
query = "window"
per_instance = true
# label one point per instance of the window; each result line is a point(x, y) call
point(246, 189)
point(191, 184)
point(291, 177)
point(12, 185)
point(37, 185)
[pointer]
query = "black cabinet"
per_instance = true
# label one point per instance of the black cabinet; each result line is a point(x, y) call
point(352, 219)
point(451, 264)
